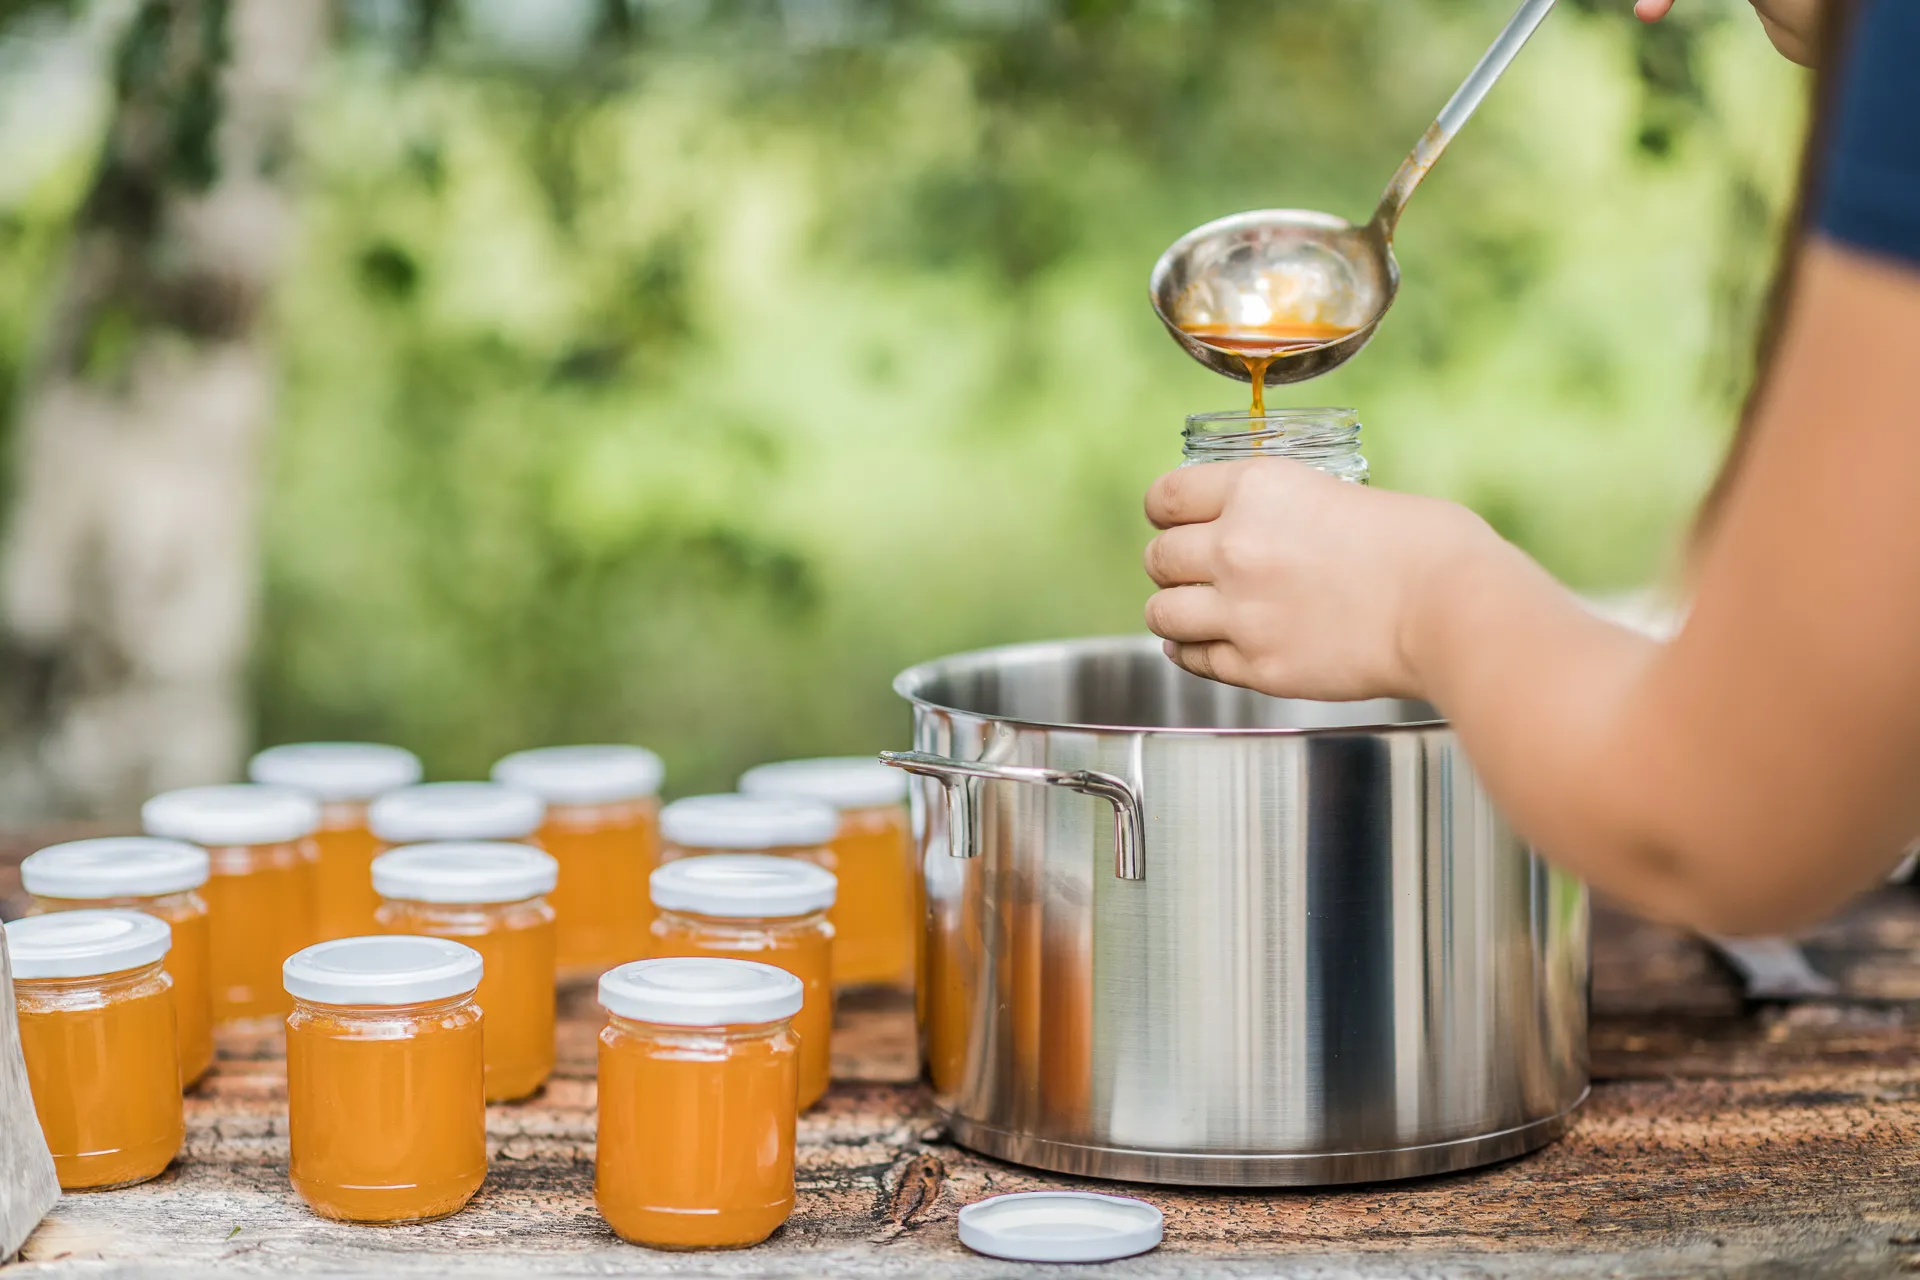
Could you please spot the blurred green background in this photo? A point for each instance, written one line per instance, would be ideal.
(676, 372)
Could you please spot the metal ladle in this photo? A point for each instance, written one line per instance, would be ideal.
(1273, 266)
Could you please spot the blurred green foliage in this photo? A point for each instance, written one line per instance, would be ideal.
(677, 372)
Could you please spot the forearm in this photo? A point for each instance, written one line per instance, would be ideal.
(1543, 694)
(1654, 771)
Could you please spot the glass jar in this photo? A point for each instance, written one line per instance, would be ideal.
(873, 919)
(260, 893)
(603, 827)
(438, 811)
(97, 1030)
(698, 1072)
(733, 823)
(386, 1095)
(492, 898)
(1326, 439)
(344, 777)
(746, 906)
(161, 878)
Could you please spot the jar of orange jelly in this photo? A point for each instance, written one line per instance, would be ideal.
(161, 878)
(747, 906)
(874, 920)
(97, 1030)
(436, 811)
(492, 897)
(260, 893)
(602, 826)
(386, 1096)
(698, 1071)
(734, 823)
(344, 777)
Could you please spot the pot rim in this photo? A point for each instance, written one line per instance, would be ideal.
(922, 673)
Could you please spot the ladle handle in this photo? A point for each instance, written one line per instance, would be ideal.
(1459, 109)
(1129, 831)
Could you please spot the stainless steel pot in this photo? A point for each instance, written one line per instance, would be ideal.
(1181, 932)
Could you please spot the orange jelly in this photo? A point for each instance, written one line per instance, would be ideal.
(345, 777)
(874, 919)
(490, 897)
(102, 1052)
(754, 907)
(260, 895)
(161, 878)
(602, 826)
(698, 1070)
(387, 1114)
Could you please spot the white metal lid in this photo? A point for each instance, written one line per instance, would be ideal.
(692, 991)
(391, 969)
(237, 814)
(464, 871)
(456, 811)
(747, 822)
(845, 782)
(599, 774)
(86, 944)
(114, 867)
(1060, 1226)
(336, 771)
(743, 886)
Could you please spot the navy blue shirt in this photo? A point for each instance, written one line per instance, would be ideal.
(1870, 187)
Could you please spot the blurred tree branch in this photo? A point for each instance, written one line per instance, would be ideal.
(129, 569)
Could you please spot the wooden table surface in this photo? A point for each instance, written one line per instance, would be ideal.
(1720, 1139)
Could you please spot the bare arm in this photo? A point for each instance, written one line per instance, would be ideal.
(1751, 774)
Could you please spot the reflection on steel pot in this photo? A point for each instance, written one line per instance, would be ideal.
(1181, 932)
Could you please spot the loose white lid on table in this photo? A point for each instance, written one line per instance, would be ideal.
(336, 771)
(455, 811)
(591, 774)
(241, 813)
(386, 970)
(1060, 1226)
(114, 867)
(743, 886)
(845, 782)
(735, 821)
(696, 991)
(86, 944)
(476, 871)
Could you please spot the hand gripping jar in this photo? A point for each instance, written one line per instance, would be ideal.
(437, 811)
(1325, 439)
(260, 893)
(698, 1071)
(747, 906)
(873, 920)
(97, 1030)
(386, 1096)
(345, 777)
(603, 827)
(492, 898)
(161, 878)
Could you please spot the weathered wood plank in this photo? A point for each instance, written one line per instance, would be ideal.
(27, 1184)
(1722, 1140)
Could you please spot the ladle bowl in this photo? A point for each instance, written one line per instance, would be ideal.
(1267, 264)
(1274, 267)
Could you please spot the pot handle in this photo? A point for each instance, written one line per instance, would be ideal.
(1129, 830)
